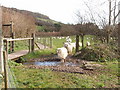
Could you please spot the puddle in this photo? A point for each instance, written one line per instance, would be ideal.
(45, 63)
(49, 63)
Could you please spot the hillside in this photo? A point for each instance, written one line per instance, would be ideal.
(24, 24)
(43, 22)
(40, 22)
(40, 18)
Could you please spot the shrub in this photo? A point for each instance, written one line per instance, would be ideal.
(98, 52)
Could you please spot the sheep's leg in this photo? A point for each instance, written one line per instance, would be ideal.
(63, 60)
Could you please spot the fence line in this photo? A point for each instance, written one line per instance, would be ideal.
(9, 78)
(46, 41)
(17, 39)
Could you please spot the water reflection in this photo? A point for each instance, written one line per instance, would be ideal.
(49, 63)
(46, 63)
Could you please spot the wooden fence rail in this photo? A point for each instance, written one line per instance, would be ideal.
(17, 39)
(9, 42)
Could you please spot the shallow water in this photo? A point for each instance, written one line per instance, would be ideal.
(49, 63)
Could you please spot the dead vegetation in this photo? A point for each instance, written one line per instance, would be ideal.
(24, 24)
(98, 52)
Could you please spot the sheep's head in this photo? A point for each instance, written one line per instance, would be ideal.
(58, 50)
(66, 45)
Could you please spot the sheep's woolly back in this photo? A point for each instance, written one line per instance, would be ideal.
(69, 47)
(73, 45)
(62, 52)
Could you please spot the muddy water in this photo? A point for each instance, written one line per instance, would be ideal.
(49, 63)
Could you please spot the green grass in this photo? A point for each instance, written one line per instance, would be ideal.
(40, 28)
(38, 53)
(21, 45)
(45, 78)
(57, 43)
(47, 20)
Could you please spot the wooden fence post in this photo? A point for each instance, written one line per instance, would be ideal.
(11, 27)
(13, 42)
(1, 42)
(47, 42)
(1, 55)
(51, 43)
(10, 47)
(29, 42)
(44, 42)
(77, 43)
(32, 42)
(40, 39)
(5, 70)
(6, 46)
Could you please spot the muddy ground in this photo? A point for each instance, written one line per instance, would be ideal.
(79, 66)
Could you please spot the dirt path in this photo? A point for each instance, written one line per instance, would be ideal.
(41, 46)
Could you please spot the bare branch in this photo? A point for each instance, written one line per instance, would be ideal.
(92, 17)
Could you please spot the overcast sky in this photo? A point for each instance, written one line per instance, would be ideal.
(59, 10)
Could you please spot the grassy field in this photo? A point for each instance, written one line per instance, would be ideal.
(47, 20)
(57, 43)
(21, 45)
(40, 28)
(45, 78)
(106, 77)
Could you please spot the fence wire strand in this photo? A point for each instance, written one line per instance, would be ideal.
(12, 81)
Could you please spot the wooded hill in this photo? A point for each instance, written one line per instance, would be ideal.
(25, 22)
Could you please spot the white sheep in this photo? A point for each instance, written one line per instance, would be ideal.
(39, 38)
(87, 43)
(68, 39)
(69, 47)
(63, 37)
(62, 53)
(54, 37)
(74, 44)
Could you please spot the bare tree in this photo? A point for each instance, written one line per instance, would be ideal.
(81, 20)
(24, 24)
(67, 30)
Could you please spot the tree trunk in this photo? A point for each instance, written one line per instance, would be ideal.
(114, 12)
(108, 31)
(82, 40)
(77, 43)
(119, 38)
(108, 36)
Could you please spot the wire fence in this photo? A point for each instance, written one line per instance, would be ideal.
(12, 82)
